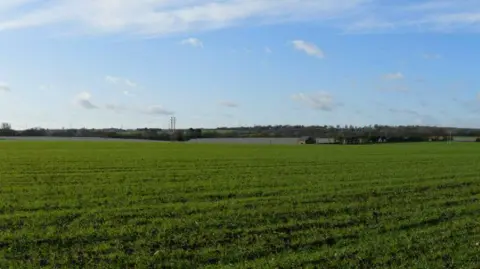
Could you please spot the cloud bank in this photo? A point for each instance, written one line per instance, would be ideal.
(84, 100)
(4, 87)
(309, 48)
(318, 101)
(164, 17)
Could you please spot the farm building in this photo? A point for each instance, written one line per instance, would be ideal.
(465, 139)
(306, 140)
(323, 140)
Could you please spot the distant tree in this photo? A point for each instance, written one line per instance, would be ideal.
(191, 133)
(6, 130)
(198, 133)
(6, 126)
(178, 136)
(34, 132)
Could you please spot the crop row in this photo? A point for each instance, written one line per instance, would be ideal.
(116, 205)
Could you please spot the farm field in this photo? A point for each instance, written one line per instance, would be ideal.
(171, 205)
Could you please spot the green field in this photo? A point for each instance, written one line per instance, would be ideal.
(155, 205)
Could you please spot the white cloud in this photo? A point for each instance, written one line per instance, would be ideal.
(161, 17)
(319, 101)
(394, 76)
(83, 100)
(4, 87)
(129, 83)
(454, 19)
(309, 48)
(228, 104)
(194, 42)
(164, 17)
(158, 110)
(369, 24)
(125, 84)
(418, 16)
(120, 81)
(111, 79)
(430, 5)
(128, 93)
(9, 4)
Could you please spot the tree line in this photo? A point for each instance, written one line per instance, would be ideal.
(390, 132)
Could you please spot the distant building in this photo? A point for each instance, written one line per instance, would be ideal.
(323, 140)
(464, 138)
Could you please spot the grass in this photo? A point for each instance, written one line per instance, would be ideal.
(156, 205)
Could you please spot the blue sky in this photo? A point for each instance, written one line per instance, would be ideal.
(113, 63)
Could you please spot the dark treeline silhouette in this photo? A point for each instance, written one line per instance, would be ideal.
(369, 133)
(333, 131)
(350, 134)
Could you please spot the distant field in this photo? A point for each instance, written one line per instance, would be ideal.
(59, 139)
(163, 205)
